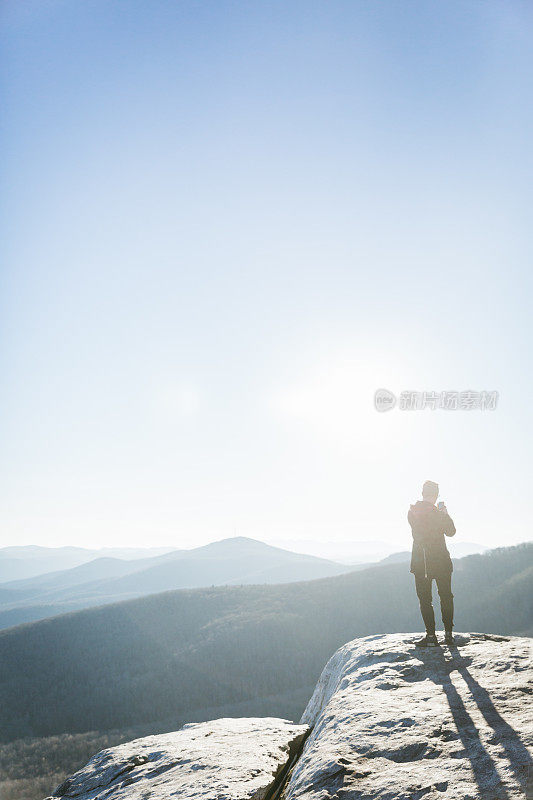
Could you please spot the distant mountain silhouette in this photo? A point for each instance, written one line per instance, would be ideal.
(457, 550)
(238, 560)
(19, 562)
(25, 562)
(94, 570)
(460, 549)
(358, 552)
(397, 558)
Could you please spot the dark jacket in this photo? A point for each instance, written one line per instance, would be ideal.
(430, 556)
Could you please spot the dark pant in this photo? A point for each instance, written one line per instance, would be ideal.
(423, 590)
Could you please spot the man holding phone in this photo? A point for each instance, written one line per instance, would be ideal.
(430, 560)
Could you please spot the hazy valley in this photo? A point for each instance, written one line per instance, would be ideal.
(152, 663)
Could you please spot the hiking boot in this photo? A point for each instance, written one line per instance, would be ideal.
(448, 639)
(429, 640)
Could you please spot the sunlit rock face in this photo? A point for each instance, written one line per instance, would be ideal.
(387, 721)
(225, 759)
(395, 722)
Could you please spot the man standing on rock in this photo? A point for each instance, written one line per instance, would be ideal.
(430, 559)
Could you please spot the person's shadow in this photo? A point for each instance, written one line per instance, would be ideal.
(484, 768)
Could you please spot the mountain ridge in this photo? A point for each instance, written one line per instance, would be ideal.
(237, 560)
(145, 660)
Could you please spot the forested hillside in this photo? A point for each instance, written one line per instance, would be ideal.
(168, 656)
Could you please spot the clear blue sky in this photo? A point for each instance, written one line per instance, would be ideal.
(224, 225)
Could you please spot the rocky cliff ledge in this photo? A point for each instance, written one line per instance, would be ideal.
(225, 759)
(394, 721)
(386, 720)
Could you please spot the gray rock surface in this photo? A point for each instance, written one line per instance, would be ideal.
(395, 722)
(225, 759)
